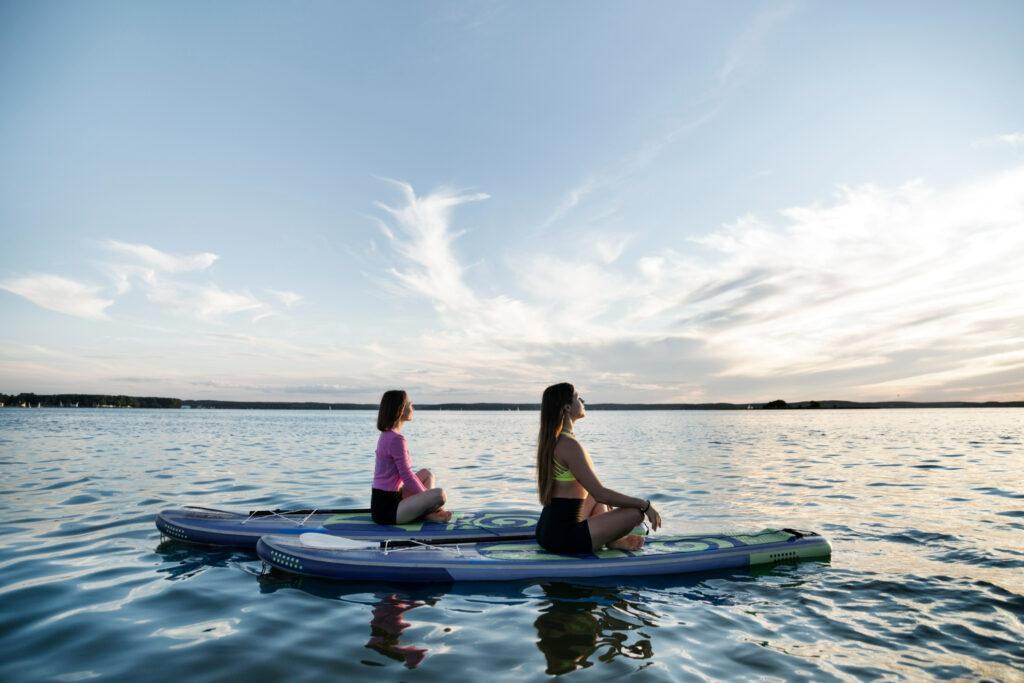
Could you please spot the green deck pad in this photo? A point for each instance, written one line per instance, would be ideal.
(683, 544)
(460, 521)
(492, 520)
(519, 551)
(364, 519)
(689, 544)
(766, 536)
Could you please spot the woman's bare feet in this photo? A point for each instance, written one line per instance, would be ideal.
(438, 516)
(629, 542)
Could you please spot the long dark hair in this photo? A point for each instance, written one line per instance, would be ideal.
(392, 407)
(553, 406)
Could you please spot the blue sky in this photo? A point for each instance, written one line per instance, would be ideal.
(659, 202)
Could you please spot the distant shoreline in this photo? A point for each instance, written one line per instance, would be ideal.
(25, 401)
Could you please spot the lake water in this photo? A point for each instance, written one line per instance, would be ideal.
(924, 509)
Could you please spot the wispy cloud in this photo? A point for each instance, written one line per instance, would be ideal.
(60, 294)
(748, 47)
(1014, 140)
(860, 291)
(161, 260)
(909, 291)
(164, 277)
(423, 237)
(206, 302)
(289, 299)
(609, 249)
(740, 62)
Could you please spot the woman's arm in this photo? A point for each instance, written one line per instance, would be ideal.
(576, 459)
(399, 452)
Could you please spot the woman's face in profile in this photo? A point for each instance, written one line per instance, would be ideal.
(408, 412)
(577, 409)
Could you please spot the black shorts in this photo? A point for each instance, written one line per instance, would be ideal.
(384, 506)
(559, 529)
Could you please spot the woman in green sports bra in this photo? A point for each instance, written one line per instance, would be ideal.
(580, 514)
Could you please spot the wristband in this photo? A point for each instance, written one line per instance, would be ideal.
(646, 507)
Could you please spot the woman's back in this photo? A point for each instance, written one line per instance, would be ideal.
(393, 466)
(565, 484)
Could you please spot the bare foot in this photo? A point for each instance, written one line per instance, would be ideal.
(438, 516)
(630, 542)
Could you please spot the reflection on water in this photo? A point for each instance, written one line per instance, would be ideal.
(577, 622)
(184, 561)
(387, 615)
(924, 509)
(386, 628)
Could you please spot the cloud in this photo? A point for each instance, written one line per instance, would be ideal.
(161, 260)
(749, 45)
(739, 63)
(609, 249)
(60, 294)
(874, 273)
(424, 239)
(576, 194)
(164, 278)
(872, 293)
(1012, 139)
(206, 302)
(289, 299)
(876, 292)
(266, 314)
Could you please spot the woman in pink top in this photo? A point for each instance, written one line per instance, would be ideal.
(400, 495)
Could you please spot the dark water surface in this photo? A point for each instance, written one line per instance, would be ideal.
(924, 509)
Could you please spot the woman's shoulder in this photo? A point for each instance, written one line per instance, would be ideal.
(391, 436)
(567, 443)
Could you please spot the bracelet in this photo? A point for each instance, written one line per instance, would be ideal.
(646, 507)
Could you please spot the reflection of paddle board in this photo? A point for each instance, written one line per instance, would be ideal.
(221, 527)
(341, 558)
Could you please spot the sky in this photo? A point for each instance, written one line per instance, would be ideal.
(658, 201)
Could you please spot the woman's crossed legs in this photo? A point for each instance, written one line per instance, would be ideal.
(611, 526)
(427, 504)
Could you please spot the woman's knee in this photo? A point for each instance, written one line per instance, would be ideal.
(442, 497)
(427, 477)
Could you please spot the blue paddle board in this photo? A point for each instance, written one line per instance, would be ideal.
(224, 528)
(339, 558)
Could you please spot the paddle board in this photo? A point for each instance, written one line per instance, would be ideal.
(221, 527)
(323, 556)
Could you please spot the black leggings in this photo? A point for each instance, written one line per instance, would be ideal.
(559, 529)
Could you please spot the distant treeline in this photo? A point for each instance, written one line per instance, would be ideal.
(87, 401)
(278, 405)
(105, 401)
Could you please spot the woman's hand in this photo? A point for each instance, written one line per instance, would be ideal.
(653, 517)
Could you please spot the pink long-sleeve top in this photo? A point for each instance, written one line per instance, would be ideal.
(394, 467)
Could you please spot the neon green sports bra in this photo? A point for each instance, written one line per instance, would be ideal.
(561, 472)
